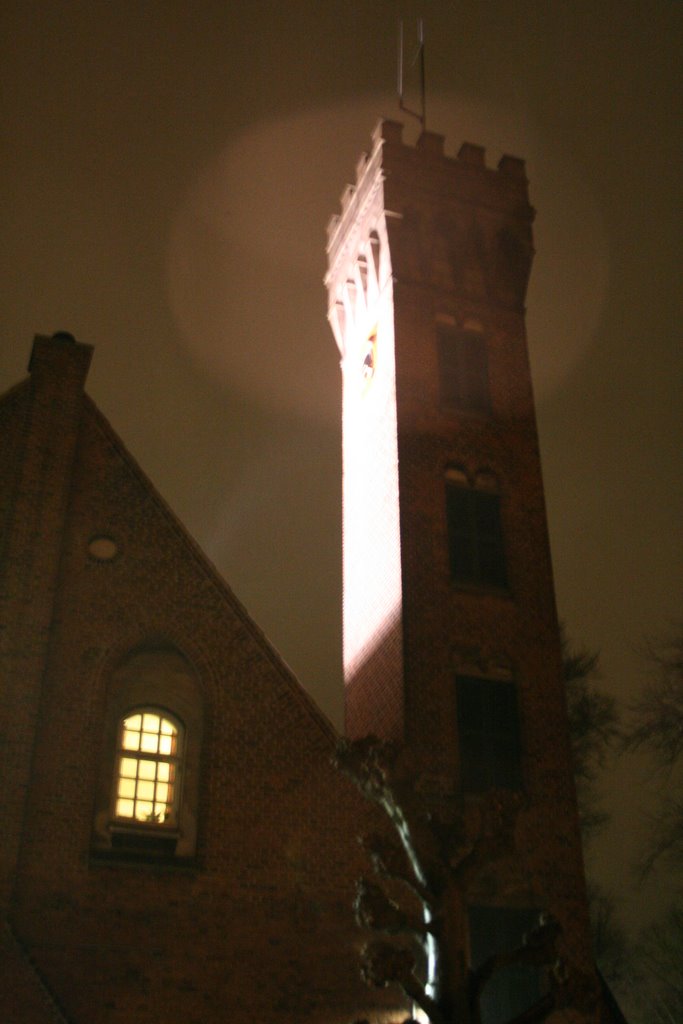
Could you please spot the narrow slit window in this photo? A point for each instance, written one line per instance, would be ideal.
(463, 370)
(475, 534)
(488, 734)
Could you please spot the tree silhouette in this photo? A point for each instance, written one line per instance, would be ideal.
(656, 725)
(435, 863)
(593, 730)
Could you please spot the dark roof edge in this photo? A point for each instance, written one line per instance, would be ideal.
(12, 391)
(304, 699)
(616, 1016)
(18, 950)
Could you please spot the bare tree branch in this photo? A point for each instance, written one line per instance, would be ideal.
(657, 715)
(593, 729)
(389, 861)
(443, 864)
(375, 910)
(656, 726)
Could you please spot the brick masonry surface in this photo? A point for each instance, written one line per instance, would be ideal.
(455, 247)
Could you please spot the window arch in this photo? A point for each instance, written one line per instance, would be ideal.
(475, 534)
(148, 767)
(147, 799)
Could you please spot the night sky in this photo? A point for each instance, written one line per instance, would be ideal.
(168, 172)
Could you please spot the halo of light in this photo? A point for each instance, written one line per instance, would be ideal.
(246, 250)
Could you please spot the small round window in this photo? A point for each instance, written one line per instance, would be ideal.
(103, 548)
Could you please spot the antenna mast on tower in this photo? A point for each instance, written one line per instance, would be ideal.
(419, 55)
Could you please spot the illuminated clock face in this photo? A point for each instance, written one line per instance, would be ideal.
(369, 358)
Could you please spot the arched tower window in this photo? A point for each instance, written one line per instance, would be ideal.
(475, 534)
(148, 767)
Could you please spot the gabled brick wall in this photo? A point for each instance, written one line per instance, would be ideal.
(258, 924)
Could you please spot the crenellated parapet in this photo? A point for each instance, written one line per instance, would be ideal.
(453, 222)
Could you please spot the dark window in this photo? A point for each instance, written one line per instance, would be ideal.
(475, 535)
(488, 734)
(463, 373)
(513, 989)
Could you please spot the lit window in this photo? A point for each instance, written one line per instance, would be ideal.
(475, 534)
(488, 734)
(148, 783)
(147, 768)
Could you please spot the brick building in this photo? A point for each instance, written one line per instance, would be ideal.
(176, 843)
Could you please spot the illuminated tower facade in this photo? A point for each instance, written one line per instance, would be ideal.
(451, 640)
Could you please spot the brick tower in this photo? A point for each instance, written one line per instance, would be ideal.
(451, 641)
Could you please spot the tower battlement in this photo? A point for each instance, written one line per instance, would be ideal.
(433, 144)
(417, 214)
(505, 186)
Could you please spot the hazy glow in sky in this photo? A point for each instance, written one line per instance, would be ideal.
(249, 231)
(165, 195)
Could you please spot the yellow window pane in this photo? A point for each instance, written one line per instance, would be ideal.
(127, 787)
(134, 722)
(150, 723)
(128, 768)
(167, 744)
(147, 769)
(162, 792)
(144, 810)
(145, 790)
(167, 727)
(150, 742)
(163, 771)
(160, 812)
(125, 808)
(131, 740)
